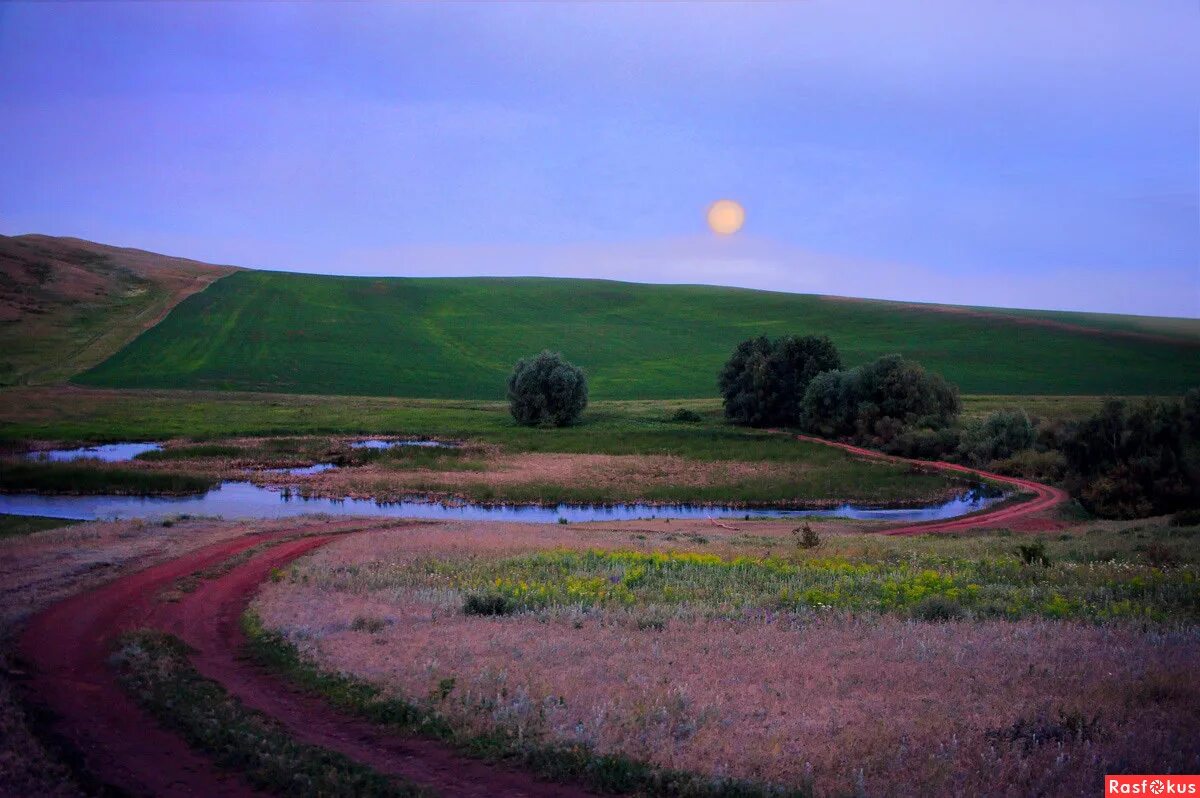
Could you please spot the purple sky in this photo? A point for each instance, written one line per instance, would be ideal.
(1004, 153)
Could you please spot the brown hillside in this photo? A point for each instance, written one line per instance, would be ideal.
(67, 304)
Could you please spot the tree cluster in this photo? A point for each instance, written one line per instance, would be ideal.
(1134, 459)
(891, 403)
(764, 379)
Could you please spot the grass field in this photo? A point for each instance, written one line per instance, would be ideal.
(458, 338)
(608, 427)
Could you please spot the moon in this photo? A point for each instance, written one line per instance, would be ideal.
(726, 217)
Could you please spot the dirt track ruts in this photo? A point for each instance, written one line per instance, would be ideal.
(1045, 497)
(68, 646)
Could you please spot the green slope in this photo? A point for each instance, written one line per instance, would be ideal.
(458, 338)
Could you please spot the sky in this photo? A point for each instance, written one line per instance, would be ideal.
(1018, 153)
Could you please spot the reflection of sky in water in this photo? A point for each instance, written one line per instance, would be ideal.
(109, 452)
(316, 468)
(243, 500)
(382, 444)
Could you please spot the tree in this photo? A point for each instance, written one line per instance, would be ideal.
(880, 402)
(763, 380)
(546, 391)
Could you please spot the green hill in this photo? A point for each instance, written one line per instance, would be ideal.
(67, 304)
(458, 338)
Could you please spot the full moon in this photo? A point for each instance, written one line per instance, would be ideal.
(726, 217)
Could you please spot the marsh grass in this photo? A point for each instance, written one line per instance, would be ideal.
(191, 452)
(82, 478)
(465, 458)
(154, 667)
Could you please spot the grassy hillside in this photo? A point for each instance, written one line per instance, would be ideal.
(458, 338)
(66, 304)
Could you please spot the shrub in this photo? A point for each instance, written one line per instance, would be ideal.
(1049, 466)
(364, 623)
(1001, 435)
(763, 380)
(488, 603)
(546, 391)
(937, 609)
(686, 416)
(806, 537)
(924, 444)
(1033, 553)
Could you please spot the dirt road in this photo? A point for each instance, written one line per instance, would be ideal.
(69, 645)
(1017, 516)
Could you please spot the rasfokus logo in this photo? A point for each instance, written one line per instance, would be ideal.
(1151, 785)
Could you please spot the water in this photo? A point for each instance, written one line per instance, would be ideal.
(382, 444)
(109, 452)
(315, 468)
(244, 500)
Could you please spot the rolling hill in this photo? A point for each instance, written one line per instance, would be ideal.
(458, 338)
(67, 304)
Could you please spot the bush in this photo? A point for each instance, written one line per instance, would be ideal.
(1033, 553)
(764, 379)
(806, 537)
(488, 603)
(999, 436)
(363, 623)
(924, 444)
(937, 609)
(1030, 463)
(546, 391)
(686, 416)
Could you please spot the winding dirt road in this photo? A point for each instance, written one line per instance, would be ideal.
(1019, 515)
(121, 745)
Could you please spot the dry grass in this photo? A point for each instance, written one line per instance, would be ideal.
(882, 705)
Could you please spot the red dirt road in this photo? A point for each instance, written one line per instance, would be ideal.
(1017, 515)
(68, 646)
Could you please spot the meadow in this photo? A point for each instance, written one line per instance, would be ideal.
(94, 415)
(742, 654)
(458, 338)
